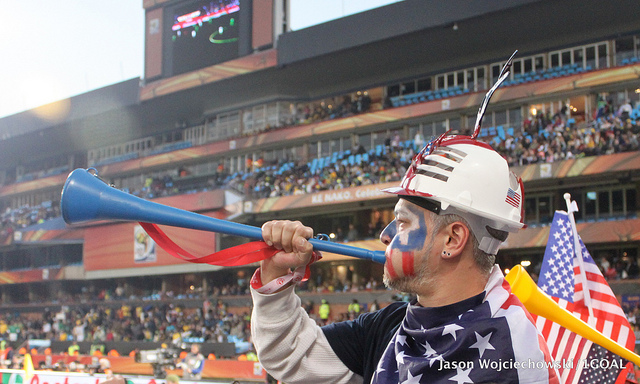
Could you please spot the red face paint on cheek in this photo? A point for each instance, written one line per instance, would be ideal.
(389, 266)
(407, 263)
(403, 264)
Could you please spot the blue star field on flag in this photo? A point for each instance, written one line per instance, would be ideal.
(482, 339)
(556, 274)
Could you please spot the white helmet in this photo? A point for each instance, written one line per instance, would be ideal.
(467, 177)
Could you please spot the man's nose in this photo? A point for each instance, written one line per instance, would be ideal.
(388, 233)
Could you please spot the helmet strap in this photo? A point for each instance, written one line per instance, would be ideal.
(489, 238)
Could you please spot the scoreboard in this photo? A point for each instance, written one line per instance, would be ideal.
(188, 35)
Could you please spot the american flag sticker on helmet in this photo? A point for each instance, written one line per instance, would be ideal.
(513, 198)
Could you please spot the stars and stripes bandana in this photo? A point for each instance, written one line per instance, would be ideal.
(487, 338)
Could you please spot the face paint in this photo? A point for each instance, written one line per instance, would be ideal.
(390, 231)
(409, 235)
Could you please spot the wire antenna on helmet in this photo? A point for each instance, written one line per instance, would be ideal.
(504, 73)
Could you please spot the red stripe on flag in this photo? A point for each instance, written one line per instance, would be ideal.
(571, 377)
(557, 347)
(600, 296)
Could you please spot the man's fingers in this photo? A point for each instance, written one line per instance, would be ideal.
(266, 232)
(292, 238)
(276, 234)
(300, 240)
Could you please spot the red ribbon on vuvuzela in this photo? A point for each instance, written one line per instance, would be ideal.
(238, 255)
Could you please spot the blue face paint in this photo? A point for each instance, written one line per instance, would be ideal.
(407, 243)
(390, 230)
(411, 240)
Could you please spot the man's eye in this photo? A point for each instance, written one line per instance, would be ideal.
(401, 222)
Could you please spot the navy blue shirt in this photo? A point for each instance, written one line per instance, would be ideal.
(360, 343)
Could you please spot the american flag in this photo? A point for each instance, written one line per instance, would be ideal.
(513, 198)
(562, 278)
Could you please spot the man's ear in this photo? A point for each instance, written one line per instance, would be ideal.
(457, 235)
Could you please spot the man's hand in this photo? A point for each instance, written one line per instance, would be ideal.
(291, 237)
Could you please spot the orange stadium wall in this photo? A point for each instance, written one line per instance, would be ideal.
(113, 246)
(218, 369)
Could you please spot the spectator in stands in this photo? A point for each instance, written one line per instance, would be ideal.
(324, 311)
(633, 271)
(352, 234)
(437, 248)
(193, 364)
(418, 142)
(79, 331)
(354, 309)
(625, 110)
(374, 306)
(74, 349)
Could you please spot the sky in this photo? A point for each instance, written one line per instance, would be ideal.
(54, 49)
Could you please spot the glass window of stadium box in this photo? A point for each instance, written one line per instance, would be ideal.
(223, 126)
(437, 128)
(631, 95)
(277, 113)
(314, 149)
(481, 80)
(499, 117)
(441, 82)
(495, 71)
(393, 90)
(603, 56)
(424, 85)
(451, 80)
(379, 137)
(515, 118)
(364, 140)
(590, 57)
(418, 129)
(606, 203)
(195, 135)
(325, 148)
(527, 65)
(297, 153)
(470, 81)
(538, 209)
(627, 47)
(474, 79)
(566, 58)
(578, 57)
(517, 68)
(408, 88)
(455, 124)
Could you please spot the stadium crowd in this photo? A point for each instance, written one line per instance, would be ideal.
(542, 138)
(166, 323)
(158, 320)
